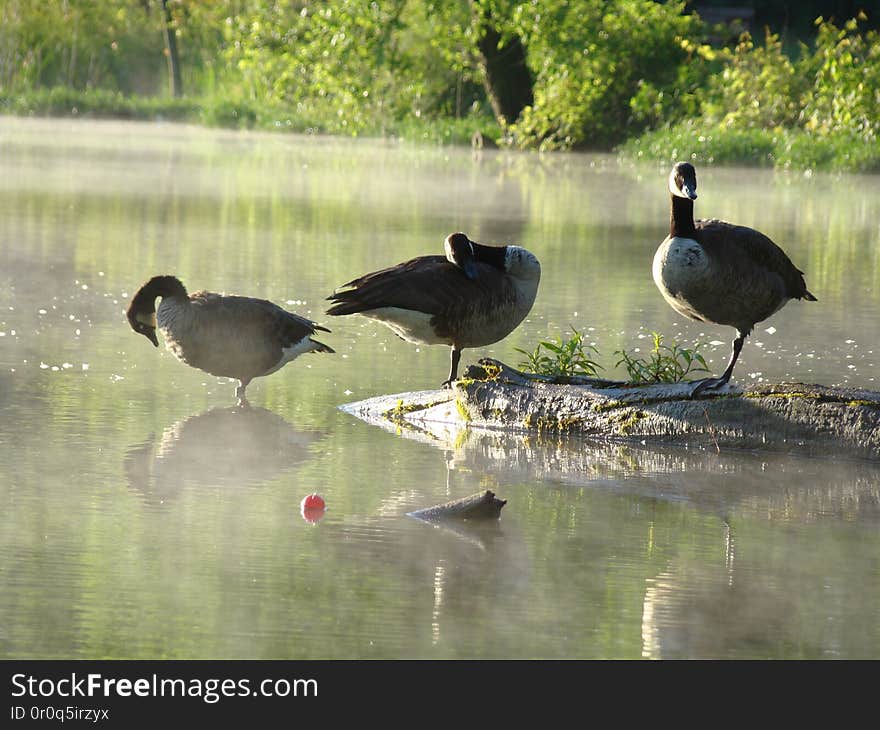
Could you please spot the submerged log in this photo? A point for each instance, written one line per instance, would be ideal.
(792, 417)
(480, 506)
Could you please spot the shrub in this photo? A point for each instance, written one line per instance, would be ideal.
(845, 90)
(759, 88)
(820, 112)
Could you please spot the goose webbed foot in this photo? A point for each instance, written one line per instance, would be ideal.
(447, 384)
(701, 386)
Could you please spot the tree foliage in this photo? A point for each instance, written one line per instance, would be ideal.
(591, 59)
(845, 71)
(830, 90)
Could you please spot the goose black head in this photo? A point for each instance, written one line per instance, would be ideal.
(141, 312)
(683, 180)
(460, 251)
(143, 322)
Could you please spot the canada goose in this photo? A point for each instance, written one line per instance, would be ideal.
(717, 272)
(474, 296)
(230, 336)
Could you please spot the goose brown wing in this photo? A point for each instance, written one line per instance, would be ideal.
(427, 284)
(740, 246)
(258, 329)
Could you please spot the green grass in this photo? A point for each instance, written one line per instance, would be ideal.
(233, 114)
(448, 131)
(785, 148)
(840, 152)
(96, 103)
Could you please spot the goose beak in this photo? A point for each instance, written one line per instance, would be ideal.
(150, 334)
(689, 192)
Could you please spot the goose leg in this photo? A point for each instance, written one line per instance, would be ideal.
(239, 392)
(453, 369)
(711, 383)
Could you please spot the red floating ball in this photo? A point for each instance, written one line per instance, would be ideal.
(313, 501)
(312, 508)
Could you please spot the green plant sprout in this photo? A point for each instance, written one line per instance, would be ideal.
(664, 363)
(566, 357)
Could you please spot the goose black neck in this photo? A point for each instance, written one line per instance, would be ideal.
(158, 286)
(682, 219)
(492, 255)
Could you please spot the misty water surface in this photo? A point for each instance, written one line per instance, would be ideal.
(145, 516)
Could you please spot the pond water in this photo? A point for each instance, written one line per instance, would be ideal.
(146, 516)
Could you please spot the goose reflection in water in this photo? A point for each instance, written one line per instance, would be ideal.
(234, 447)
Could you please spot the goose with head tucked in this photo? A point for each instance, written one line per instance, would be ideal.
(225, 335)
(473, 296)
(717, 272)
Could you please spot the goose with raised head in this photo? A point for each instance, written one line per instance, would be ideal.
(474, 296)
(717, 272)
(226, 335)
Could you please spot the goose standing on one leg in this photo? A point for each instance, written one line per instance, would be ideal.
(229, 336)
(717, 272)
(474, 296)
